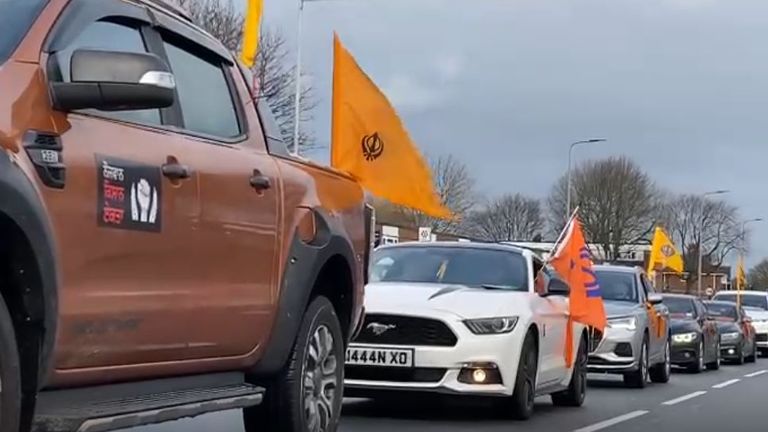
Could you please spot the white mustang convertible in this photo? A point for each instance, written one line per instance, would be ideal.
(466, 318)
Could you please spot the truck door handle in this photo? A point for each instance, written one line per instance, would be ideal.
(259, 181)
(175, 171)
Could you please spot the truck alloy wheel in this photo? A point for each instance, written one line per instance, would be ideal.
(319, 381)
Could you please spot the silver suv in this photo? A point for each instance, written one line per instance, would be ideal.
(636, 342)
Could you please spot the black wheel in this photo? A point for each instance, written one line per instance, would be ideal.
(763, 352)
(639, 378)
(698, 365)
(740, 359)
(661, 372)
(577, 389)
(715, 365)
(307, 394)
(10, 375)
(525, 383)
(753, 356)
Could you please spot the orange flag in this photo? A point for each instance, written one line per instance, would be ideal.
(573, 262)
(369, 141)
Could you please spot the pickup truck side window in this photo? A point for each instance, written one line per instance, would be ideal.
(109, 36)
(204, 94)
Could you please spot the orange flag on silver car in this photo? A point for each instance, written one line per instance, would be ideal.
(572, 260)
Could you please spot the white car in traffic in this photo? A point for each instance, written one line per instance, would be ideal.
(755, 304)
(470, 319)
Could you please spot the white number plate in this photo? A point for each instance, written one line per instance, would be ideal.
(368, 356)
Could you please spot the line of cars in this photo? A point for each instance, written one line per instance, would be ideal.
(489, 321)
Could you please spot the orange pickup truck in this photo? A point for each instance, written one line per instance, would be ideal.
(161, 253)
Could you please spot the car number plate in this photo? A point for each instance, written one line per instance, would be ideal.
(368, 356)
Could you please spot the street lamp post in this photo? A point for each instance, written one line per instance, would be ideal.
(570, 158)
(744, 233)
(701, 235)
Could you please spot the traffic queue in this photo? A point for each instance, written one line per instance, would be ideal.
(502, 323)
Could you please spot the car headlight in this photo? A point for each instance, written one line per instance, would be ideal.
(684, 337)
(626, 323)
(486, 326)
(730, 336)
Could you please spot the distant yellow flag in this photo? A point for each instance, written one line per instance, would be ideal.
(741, 275)
(369, 141)
(664, 253)
(251, 32)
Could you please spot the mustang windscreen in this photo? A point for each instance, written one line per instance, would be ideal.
(473, 267)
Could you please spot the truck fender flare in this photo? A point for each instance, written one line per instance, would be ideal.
(22, 205)
(305, 261)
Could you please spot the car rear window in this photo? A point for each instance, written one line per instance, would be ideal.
(16, 16)
(758, 301)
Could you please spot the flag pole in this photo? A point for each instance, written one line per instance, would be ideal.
(297, 96)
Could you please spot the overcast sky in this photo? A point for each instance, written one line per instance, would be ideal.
(680, 86)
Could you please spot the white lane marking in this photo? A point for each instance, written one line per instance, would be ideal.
(726, 384)
(610, 422)
(684, 398)
(754, 374)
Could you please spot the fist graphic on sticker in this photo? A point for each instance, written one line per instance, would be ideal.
(143, 202)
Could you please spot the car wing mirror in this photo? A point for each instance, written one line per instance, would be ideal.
(115, 81)
(655, 299)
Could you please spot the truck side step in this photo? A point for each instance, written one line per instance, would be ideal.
(121, 406)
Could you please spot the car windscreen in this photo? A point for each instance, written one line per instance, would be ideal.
(722, 311)
(15, 18)
(618, 286)
(474, 267)
(758, 301)
(680, 307)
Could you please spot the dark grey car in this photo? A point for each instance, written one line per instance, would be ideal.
(636, 342)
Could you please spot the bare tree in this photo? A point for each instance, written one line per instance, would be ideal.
(693, 220)
(758, 276)
(274, 71)
(455, 186)
(618, 203)
(507, 218)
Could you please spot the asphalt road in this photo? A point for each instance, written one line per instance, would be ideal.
(732, 399)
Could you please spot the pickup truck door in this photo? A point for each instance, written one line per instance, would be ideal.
(125, 232)
(240, 191)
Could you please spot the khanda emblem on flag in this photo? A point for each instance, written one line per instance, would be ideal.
(373, 147)
(667, 250)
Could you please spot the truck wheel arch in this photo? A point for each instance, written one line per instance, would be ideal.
(34, 301)
(309, 270)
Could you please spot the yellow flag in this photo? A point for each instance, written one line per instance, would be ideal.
(369, 141)
(741, 275)
(664, 253)
(251, 32)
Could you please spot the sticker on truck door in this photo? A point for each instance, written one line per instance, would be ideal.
(129, 195)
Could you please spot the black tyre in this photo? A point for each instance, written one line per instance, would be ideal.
(715, 365)
(307, 394)
(577, 390)
(10, 374)
(763, 352)
(741, 358)
(525, 384)
(751, 358)
(698, 365)
(661, 372)
(639, 378)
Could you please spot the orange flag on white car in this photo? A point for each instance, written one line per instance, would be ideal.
(573, 262)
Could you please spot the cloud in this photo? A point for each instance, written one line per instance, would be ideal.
(406, 93)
